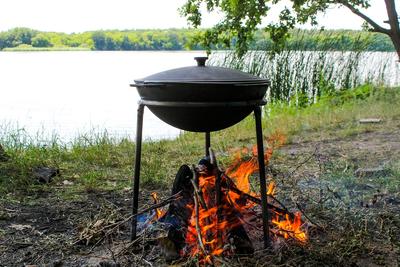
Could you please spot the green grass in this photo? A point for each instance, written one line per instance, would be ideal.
(100, 162)
(336, 115)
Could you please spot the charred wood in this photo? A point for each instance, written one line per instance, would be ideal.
(178, 213)
(197, 191)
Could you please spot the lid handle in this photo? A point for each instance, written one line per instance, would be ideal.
(201, 61)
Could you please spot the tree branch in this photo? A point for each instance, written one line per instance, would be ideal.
(377, 28)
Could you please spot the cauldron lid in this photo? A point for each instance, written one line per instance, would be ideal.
(202, 74)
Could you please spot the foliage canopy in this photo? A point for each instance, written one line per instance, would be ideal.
(241, 19)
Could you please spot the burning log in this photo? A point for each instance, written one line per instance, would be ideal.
(237, 235)
(215, 171)
(198, 230)
(198, 192)
(210, 217)
(215, 221)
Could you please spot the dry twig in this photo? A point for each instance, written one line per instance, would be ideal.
(198, 229)
(108, 229)
(251, 198)
(199, 194)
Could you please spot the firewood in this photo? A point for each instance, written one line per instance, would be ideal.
(199, 195)
(161, 204)
(178, 213)
(197, 191)
(218, 197)
(232, 187)
(236, 236)
(198, 229)
(229, 184)
(108, 229)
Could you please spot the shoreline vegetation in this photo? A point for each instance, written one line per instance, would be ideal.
(25, 39)
(97, 156)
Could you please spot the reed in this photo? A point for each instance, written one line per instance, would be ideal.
(300, 76)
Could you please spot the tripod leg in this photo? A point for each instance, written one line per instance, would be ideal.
(263, 183)
(136, 177)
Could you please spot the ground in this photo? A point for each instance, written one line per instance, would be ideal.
(354, 214)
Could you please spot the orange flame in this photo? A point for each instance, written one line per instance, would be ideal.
(271, 188)
(208, 224)
(242, 174)
(290, 228)
(213, 233)
(159, 212)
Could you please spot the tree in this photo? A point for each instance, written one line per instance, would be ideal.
(16, 37)
(242, 17)
(126, 44)
(22, 35)
(110, 44)
(41, 40)
(99, 40)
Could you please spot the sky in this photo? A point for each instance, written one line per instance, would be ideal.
(86, 15)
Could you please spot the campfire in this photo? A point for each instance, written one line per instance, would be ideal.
(215, 213)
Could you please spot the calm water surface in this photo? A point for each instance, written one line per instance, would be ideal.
(70, 93)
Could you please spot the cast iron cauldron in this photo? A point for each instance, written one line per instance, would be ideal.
(201, 98)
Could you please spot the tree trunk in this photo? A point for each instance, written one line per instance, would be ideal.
(394, 25)
(396, 42)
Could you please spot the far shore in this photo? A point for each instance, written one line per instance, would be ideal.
(41, 49)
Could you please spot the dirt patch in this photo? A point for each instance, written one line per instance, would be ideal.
(44, 231)
(372, 148)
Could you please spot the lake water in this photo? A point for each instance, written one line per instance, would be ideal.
(72, 93)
